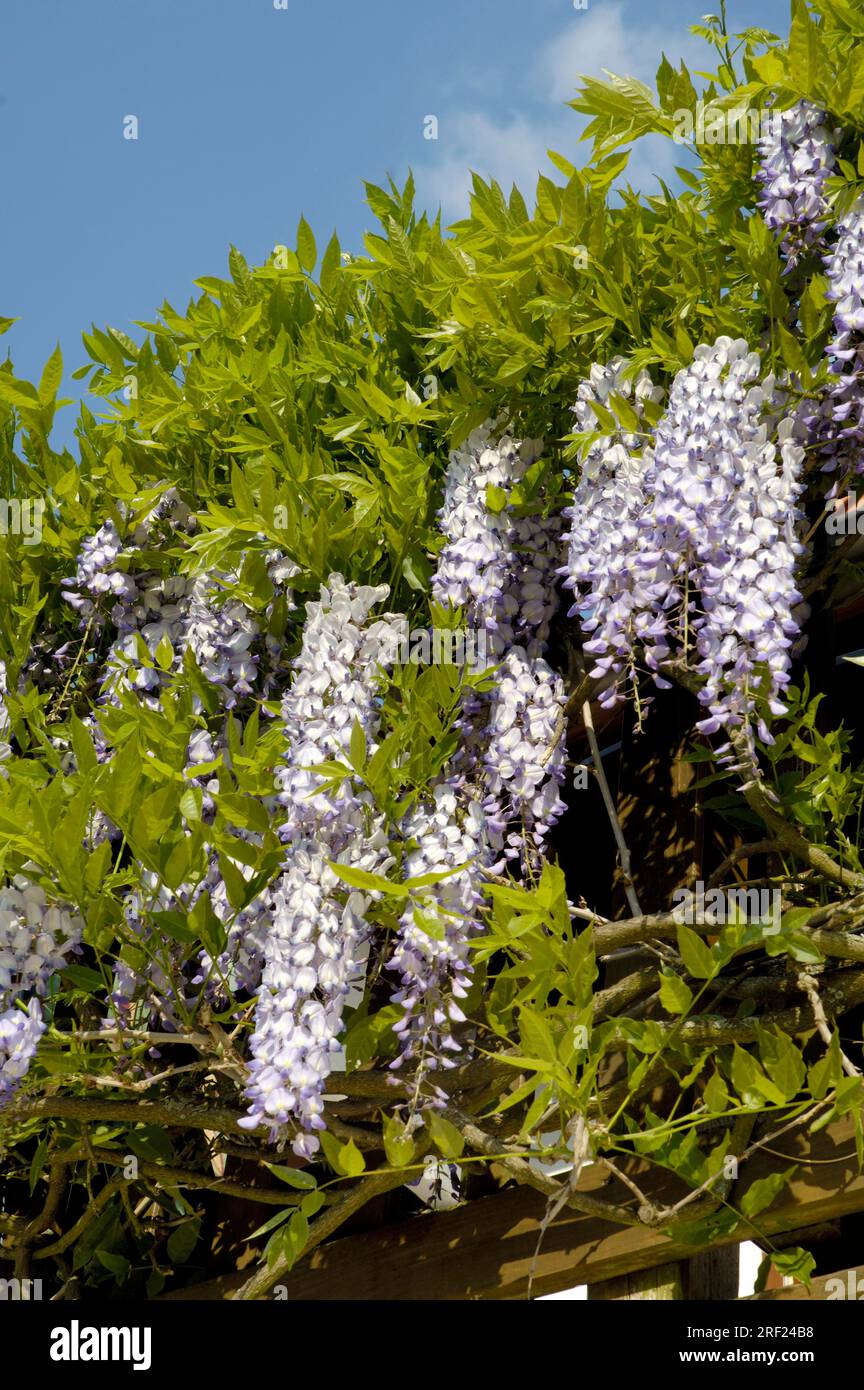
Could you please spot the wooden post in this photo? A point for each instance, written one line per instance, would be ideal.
(713, 1276)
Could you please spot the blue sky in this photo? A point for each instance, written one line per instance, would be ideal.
(249, 115)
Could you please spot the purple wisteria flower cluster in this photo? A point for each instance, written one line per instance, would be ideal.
(609, 503)
(794, 170)
(97, 581)
(35, 940)
(156, 616)
(845, 271)
(20, 1032)
(432, 955)
(525, 759)
(497, 565)
(711, 545)
(5, 723)
(239, 964)
(500, 564)
(314, 946)
(796, 161)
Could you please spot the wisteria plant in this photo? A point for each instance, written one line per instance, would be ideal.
(286, 919)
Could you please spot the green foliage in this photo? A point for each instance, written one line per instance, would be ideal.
(308, 405)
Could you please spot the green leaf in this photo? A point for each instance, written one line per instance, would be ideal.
(496, 498)
(38, 1162)
(803, 49)
(675, 996)
(236, 885)
(764, 1191)
(352, 1160)
(850, 1095)
(716, 1094)
(52, 375)
(626, 414)
(357, 747)
(83, 977)
(346, 1159)
(275, 1221)
(182, 1241)
(750, 1081)
(246, 320)
(294, 1177)
(152, 1143)
(374, 883)
(371, 1036)
(164, 654)
(290, 1241)
(307, 251)
(445, 1136)
(827, 1071)
(793, 356)
(118, 1265)
(191, 803)
(209, 929)
(536, 1034)
(311, 1205)
(82, 745)
(794, 1263)
(398, 1144)
(782, 1061)
(697, 957)
(331, 264)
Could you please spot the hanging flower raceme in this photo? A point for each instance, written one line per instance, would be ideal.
(20, 1032)
(313, 954)
(474, 567)
(845, 270)
(796, 161)
(221, 636)
(35, 940)
(432, 953)
(502, 568)
(5, 723)
(335, 686)
(181, 612)
(318, 930)
(158, 618)
(710, 530)
(498, 566)
(97, 583)
(525, 761)
(614, 581)
(724, 516)
(239, 964)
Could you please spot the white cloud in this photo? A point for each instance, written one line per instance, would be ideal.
(608, 38)
(511, 147)
(511, 151)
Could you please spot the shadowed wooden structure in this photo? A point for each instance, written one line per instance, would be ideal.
(486, 1248)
